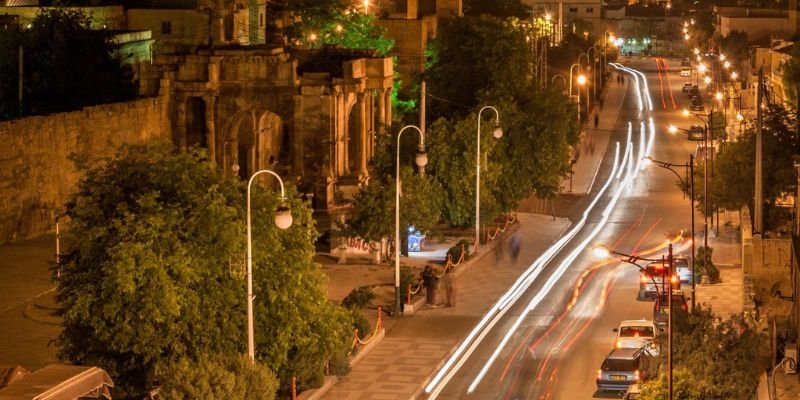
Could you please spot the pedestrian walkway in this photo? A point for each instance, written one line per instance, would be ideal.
(725, 298)
(415, 346)
(588, 154)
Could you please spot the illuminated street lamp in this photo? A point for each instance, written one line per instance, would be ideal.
(497, 132)
(421, 160)
(722, 57)
(726, 64)
(604, 252)
(696, 51)
(690, 169)
(707, 80)
(686, 36)
(581, 79)
(672, 129)
(734, 75)
(718, 96)
(283, 220)
(701, 67)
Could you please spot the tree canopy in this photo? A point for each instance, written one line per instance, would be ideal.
(66, 66)
(733, 181)
(791, 77)
(154, 275)
(713, 359)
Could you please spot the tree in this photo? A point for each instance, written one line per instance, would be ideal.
(66, 66)
(714, 359)
(353, 30)
(735, 47)
(159, 237)
(791, 77)
(216, 377)
(497, 8)
(475, 55)
(731, 186)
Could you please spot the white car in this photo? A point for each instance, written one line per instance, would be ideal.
(636, 334)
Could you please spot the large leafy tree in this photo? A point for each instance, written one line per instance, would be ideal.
(714, 359)
(216, 377)
(350, 30)
(152, 275)
(735, 47)
(733, 179)
(498, 8)
(66, 66)
(791, 77)
(475, 55)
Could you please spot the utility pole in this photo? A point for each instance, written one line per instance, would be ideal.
(759, 195)
(669, 323)
(19, 80)
(691, 201)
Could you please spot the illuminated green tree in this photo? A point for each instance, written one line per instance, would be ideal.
(154, 273)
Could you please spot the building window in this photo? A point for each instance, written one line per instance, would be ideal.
(573, 9)
(589, 10)
(166, 27)
(261, 20)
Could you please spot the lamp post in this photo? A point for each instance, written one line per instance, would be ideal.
(581, 82)
(705, 171)
(497, 133)
(563, 79)
(421, 160)
(690, 167)
(571, 75)
(283, 220)
(604, 252)
(594, 76)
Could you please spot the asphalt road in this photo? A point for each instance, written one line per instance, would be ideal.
(550, 342)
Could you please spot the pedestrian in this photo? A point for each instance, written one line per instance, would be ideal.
(499, 253)
(514, 247)
(596, 120)
(449, 289)
(429, 281)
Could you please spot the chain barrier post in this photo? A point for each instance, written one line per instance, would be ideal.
(294, 388)
(378, 325)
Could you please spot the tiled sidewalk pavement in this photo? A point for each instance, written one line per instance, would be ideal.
(415, 345)
(727, 297)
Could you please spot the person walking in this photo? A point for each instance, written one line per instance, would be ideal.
(513, 245)
(449, 289)
(596, 119)
(429, 281)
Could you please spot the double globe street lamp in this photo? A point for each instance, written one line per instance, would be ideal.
(603, 252)
(283, 220)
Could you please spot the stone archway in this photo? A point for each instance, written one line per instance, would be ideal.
(253, 140)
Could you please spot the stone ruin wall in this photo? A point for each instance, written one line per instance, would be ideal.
(37, 175)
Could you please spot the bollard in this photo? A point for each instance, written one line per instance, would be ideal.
(294, 388)
(407, 302)
(379, 323)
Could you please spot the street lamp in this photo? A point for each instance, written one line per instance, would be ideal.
(563, 79)
(690, 166)
(571, 74)
(283, 220)
(497, 132)
(706, 152)
(421, 160)
(594, 76)
(604, 252)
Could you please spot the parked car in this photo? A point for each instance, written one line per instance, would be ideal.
(621, 369)
(694, 91)
(636, 334)
(686, 71)
(686, 62)
(696, 132)
(697, 106)
(687, 86)
(661, 308)
(651, 280)
(681, 264)
(632, 393)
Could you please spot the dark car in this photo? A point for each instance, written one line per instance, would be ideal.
(687, 86)
(621, 369)
(696, 132)
(694, 91)
(697, 106)
(661, 307)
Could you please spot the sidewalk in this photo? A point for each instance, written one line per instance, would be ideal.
(589, 152)
(727, 297)
(400, 364)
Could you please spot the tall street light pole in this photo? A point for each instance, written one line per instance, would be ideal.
(283, 219)
(497, 133)
(690, 167)
(594, 76)
(421, 160)
(605, 252)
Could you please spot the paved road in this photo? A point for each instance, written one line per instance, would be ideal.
(550, 343)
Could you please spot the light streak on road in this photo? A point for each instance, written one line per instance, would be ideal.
(499, 309)
(627, 150)
(669, 84)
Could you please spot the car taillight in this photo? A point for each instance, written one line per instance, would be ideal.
(674, 279)
(599, 373)
(636, 375)
(683, 307)
(644, 279)
(619, 344)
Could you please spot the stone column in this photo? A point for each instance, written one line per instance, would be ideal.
(381, 99)
(387, 104)
(361, 151)
(180, 123)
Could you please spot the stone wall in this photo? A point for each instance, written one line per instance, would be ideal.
(37, 175)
